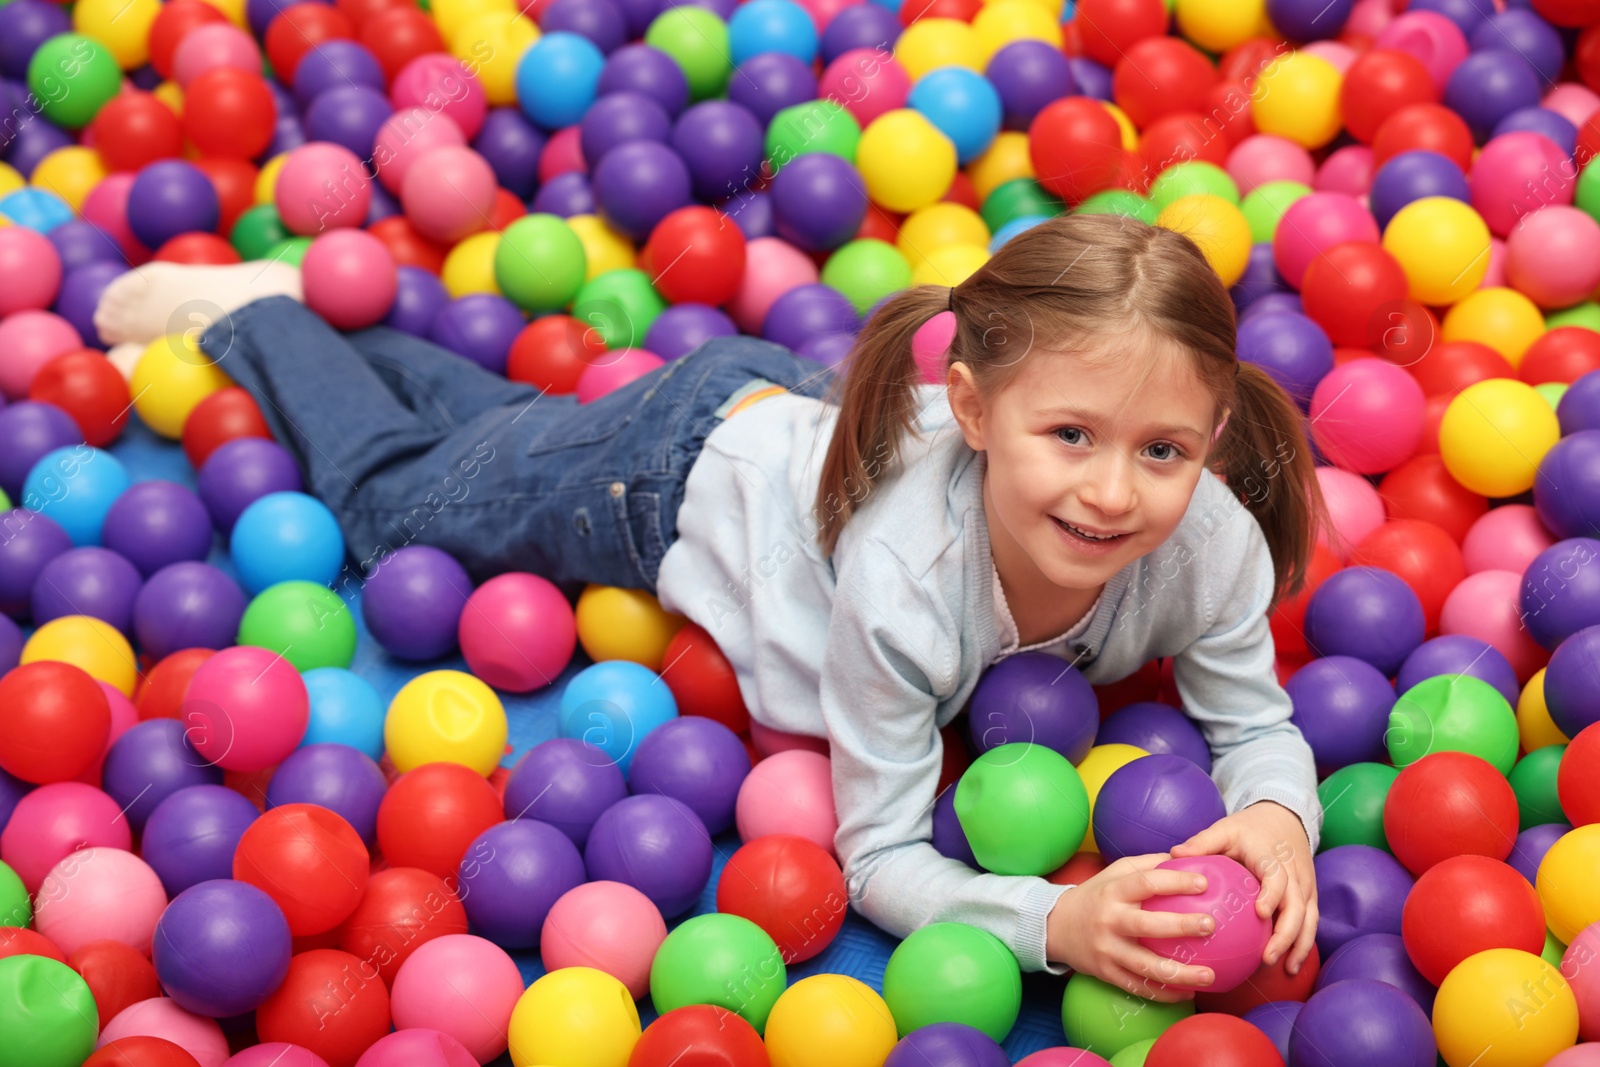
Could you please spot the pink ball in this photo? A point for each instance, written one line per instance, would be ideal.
(1518, 173)
(1312, 225)
(1354, 507)
(1584, 1055)
(1263, 158)
(107, 207)
(614, 370)
(350, 278)
(517, 632)
(124, 716)
(1580, 966)
(407, 136)
(276, 1054)
(459, 985)
(213, 46)
(1495, 276)
(161, 1017)
(56, 820)
(1432, 38)
(1339, 56)
(1487, 605)
(1553, 256)
(822, 12)
(1367, 415)
(1573, 102)
(1506, 538)
(771, 268)
(1347, 170)
(866, 82)
(608, 926)
(30, 270)
(246, 709)
(418, 1048)
(439, 83)
(322, 187)
(789, 793)
(768, 741)
(1233, 950)
(563, 154)
(100, 894)
(450, 195)
(1368, 18)
(29, 340)
(1062, 1056)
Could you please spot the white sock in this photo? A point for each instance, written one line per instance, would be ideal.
(162, 298)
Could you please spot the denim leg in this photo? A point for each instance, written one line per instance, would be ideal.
(442, 388)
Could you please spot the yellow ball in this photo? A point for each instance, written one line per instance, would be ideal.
(171, 377)
(1218, 25)
(574, 1017)
(1567, 885)
(1494, 434)
(469, 266)
(1503, 319)
(267, 178)
(445, 717)
(830, 1020)
(10, 180)
(1534, 725)
(1217, 227)
(171, 94)
(950, 266)
(1297, 97)
(93, 646)
(625, 624)
(904, 160)
(1007, 159)
(929, 229)
(929, 44)
(123, 26)
(71, 173)
(233, 9)
(491, 44)
(1130, 132)
(1003, 22)
(1443, 247)
(1504, 1008)
(451, 15)
(605, 248)
(1101, 762)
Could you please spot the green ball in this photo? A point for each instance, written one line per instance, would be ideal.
(619, 305)
(1133, 1055)
(814, 126)
(1533, 779)
(1015, 199)
(1105, 1020)
(16, 908)
(258, 232)
(1264, 206)
(1586, 314)
(723, 960)
(953, 973)
(1118, 202)
(47, 1014)
(1587, 194)
(539, 263)
(1352, 801)
(1553, 950)
(290, 250)
(1192, 179)
(1024, 809)
(866, 271)
(5, 501)
(305, 623)
(697, 40)
(73, 76)
(1453, 713)
(1552, 392)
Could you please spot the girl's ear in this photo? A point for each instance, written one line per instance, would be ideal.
(966, 403)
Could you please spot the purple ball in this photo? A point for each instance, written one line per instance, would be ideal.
(338, 777)
(1526, 34)
(87, 581)
(260, 13)
(639, 14)
(1578, 409)
(12, 789)
(724, 144)
(946, 1044)
(828, 349)
(808, 311)
(1289, 347)
(413, 602)
(819, 200)
(222, 948)
(1488, 86)
(767, 83)
(81, 288)
(348, 115)
(1309, 20)
(1567, 491)
(24, 26)
(479, 327)
(860, 26)
(1542, 121)
(511, 877)
(336, 64)
(949, 838)
(565, 783)
(1368, 613)
(565, 195)
(1360, 890)
(1152, 804)
(158, 523)
(1561, 592)
(34, 139)
(723, 9)
(1362, 1021)
(1272, 304)
(187, 605)
(639, 68)
(241, 472)
(287, 134)
(149, 763)
(1028, 75)
(656, 844)
(1569, 682)
(598, 20)
(1341, 705)
(752, 212)
(10, 649)
(639, 184)
(1382, 958)
(383, 205)
(1090, 78)
(1034, 698)
(28, 430)
(28, 542)
(511, 145)
(191, 836)
(1260, 278)
(80, 243)
(417, 301)
(1527, 852)
(682, 328)
(1156, 727)
(1276, 1020)
(620, 119)
(697, 761)
(170, 197)
(1464, 13)
(1459, 654)
(1411, 176)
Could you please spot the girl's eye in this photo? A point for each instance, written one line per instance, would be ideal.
(1167, 451)
(1075, 438)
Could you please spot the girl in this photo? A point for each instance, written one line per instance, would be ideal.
(861, 564)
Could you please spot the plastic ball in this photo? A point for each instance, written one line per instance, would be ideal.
(297, 1012)
(1393, 1027)
(55, 820)
(471, 732)
(413, 602)
(1561, 492)
(830, 1019)
(1011, 778)
(565, 783)
(305, 623)
(99, 894)
(49, 1012)
(1225, 1040)
(516, 631)
(512, 874)
(1099, 1016)
(76, 487)
(789, 792)
(191, 836)
(170, 380)
(87, 643)
(699, 958)
(655, 844)
(187, 605)
(1486, 605)
(789, 887)
(557, 78)
(403, 909)
(1511, 414)
(1439, 243)
(607, 926)
(412, 1046)
(309, 860)
(1478, 1015)
(430, 816)
(574, 1015)
(1502, 172)
(1342, 706)
(335, 777)
(462, 986)
(906, 162)
(697, 761)
(221, 948)
(1152, 804)
(246, 708)
(1501, 318)
(613, 706)
(118, 976)
(349, 278)
(58, 722)
(155, 524)
(149, 763)
(1425, 823)
(31, 269)
(1233, 950)
(286, 536)
(73, 76)
(1465, 905)
(1453, 713)
(322, 186)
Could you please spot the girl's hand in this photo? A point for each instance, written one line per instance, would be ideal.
(1270, 842)
(1094, 928)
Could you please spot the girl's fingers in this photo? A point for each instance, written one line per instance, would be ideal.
(1140, 986)
(1141, 923)
(1143, 885)
(1289, 928)
(1307, 939)
(1216, 839)
(1274, 884)
(1163, 971)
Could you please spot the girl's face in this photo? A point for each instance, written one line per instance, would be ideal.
(1091, 462)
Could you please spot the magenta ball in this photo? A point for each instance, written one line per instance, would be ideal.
(517, 632)
(408, 135)
(1062, 1056)
(350, 278)
(303, 198)
(1233, 950)
(409, 1048)
(462, 986)
(1312, 225)
(55, 820)
(278, 1054)
(608, 926)
(30, 270)
(246, 708)
(1367, 415)
(1517, 173)
(617, 369)
(450, 196)
(1506, 538)
(28, 340)
(1553, 256)
(866, 82)
(431, 79)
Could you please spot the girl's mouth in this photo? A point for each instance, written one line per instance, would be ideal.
(1084, 537)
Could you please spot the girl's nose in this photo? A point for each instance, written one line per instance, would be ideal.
(1109, 485)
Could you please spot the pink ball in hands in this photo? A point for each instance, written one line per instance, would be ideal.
(30, 270)
(28, 340)
(1367, 415)
(322, 186)
(350, 278)
(416, 1048)
(246, 709)
(276, 1054)
(407, 136)
(100, 894)
(450, 195)
(614, 370)
(608, 926)
(440, 83)
(789, 793)
(56, 820)
(1239, 936)
(1553, 256)
(462, 986)
(517, 632)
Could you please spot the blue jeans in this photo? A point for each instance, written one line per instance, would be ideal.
(409, 443)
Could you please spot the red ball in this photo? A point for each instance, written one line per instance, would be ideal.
(961, 192)
(563, 153)
(1586, 57)
(1378, 84)
(1227, 109)
(1271, 982)
(162, 689)
(1079, 869)
(20, 941)
(961, 10)
(1468, 904)
(1449, 804)
(309, 860)
(880, 225)
(408, 247)
(507, 209)
(141, 1052)
(1186, 136)
(696, 255)
(1246, 61)
(206, 249)
(1421, 488)
(703, 681)
(1565, 354)
(1569, 13)
(791, 888)
(226, 415)
(57, 721)
(1288, 622)
(359, 11)
(404, 908)
(430, 816)
(1423, 126)
(1108, 28)
(701, 1035)
(1578, 778)
(297, 30)
(552, 353)
(134, 129)
(171, 25)
(85, 385)
(1450, 367)
(1076, 148)
(1422, 554)
(1347, 289)
(117, 975)
(399, 35)
(1404, 333)
(1160, 76)
(235, 183)
(230, 112)
(330, 1003)
(1432, 421)
(1213, 1040)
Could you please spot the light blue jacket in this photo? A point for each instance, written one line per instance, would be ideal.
(878, 648)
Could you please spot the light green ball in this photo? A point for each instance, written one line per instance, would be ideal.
(305, 623)
(1264, 207)
(1105, 1020)
(1533, 779)
(1024, 809)
(1453, 713)
(257, 232)
(1586, 315)
(1133, 1055)
(620, 306)
(72, 77)
(1124, 202)
(1352, 801)
(866, 271)
(697, 40)
(723, 960)
(1587, 195)
(1192, 179)
(290, 250)
(539, 263)
(814, 126)
(47, 1014)
(1552, 392)
(1015, 199)
(1553, 950)
(953, 973)
(16, 908)
(5, 501)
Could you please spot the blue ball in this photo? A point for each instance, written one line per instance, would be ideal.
(772, 26)
(963, 104)
(612, 706)
(557, 78)
(345, 710)
(76, 487)
(285, 537)
(1012, 228)
(37, 209)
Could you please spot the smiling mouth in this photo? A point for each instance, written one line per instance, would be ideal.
(1088, 535)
